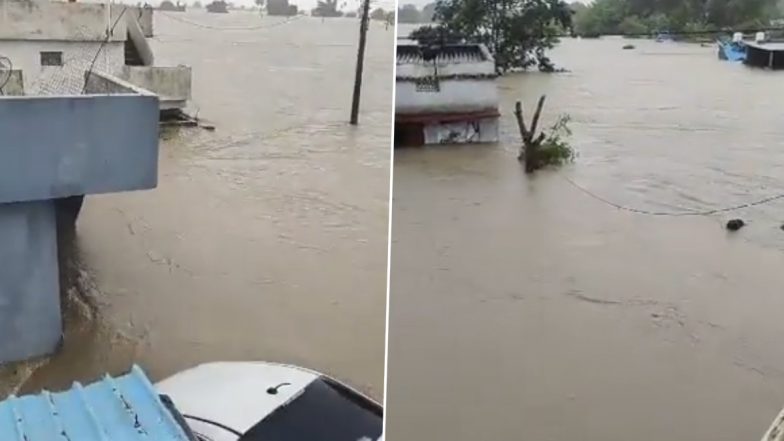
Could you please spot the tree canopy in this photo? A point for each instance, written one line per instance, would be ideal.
(279, 7)
(517, 32)
(651, 16)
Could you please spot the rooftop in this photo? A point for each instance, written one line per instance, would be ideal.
(771, 46)
(446, 54)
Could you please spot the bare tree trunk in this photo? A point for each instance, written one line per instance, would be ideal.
(531, 142)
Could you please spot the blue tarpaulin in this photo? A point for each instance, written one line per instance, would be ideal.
(125, 408)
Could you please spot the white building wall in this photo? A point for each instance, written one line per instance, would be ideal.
(454, 96)
(77, 57)
(484, 130)
(53, 20)
(425, 69)
(78, 30)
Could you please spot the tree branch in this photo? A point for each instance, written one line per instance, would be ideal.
(535, 121)
(520, 120)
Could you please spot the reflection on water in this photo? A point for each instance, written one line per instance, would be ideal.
(520, 308)
(266, 239)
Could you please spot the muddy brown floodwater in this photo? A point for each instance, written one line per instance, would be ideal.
(523, 309)
(266, 239)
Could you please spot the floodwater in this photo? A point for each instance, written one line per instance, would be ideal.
(265, 239)
(522, 308)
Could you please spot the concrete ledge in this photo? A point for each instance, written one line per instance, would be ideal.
(143, 15)
(171, 84)
(56, 147)
(99, 83)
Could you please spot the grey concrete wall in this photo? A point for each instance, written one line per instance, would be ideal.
(144, 17)
(99, 83)
(136, 36)
(64, 146)
(15, 84)
(30, 323)
(50, 20)
(171, 84)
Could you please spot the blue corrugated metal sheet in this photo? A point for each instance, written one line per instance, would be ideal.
(125, 408)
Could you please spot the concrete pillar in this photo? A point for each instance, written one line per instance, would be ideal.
(30, 322)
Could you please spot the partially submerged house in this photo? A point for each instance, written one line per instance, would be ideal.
(53, 43)
(445, 94)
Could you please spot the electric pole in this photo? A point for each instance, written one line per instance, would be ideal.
(363, 27)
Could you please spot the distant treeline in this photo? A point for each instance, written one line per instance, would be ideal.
(641, 17)
(410, 14)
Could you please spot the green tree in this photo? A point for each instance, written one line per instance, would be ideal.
(634, 26)
(280, 7)
(614, 16)
(517, 32)
(435, 35)
(408, 14)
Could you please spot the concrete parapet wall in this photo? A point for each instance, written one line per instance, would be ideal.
(65, 146)
(52, 20)
(171, 84)
(144, 17)
(137, 37)
(98, 83)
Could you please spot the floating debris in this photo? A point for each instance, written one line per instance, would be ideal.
(735, 224)
(178, 118)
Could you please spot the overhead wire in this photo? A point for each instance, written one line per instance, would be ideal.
(109, 34)
(238, 28)
(606, 201)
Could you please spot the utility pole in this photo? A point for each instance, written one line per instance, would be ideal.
(360, 61)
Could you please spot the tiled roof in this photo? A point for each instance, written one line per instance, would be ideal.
(124, 408)
(447, 54)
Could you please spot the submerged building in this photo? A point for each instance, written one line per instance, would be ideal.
(445, 94)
